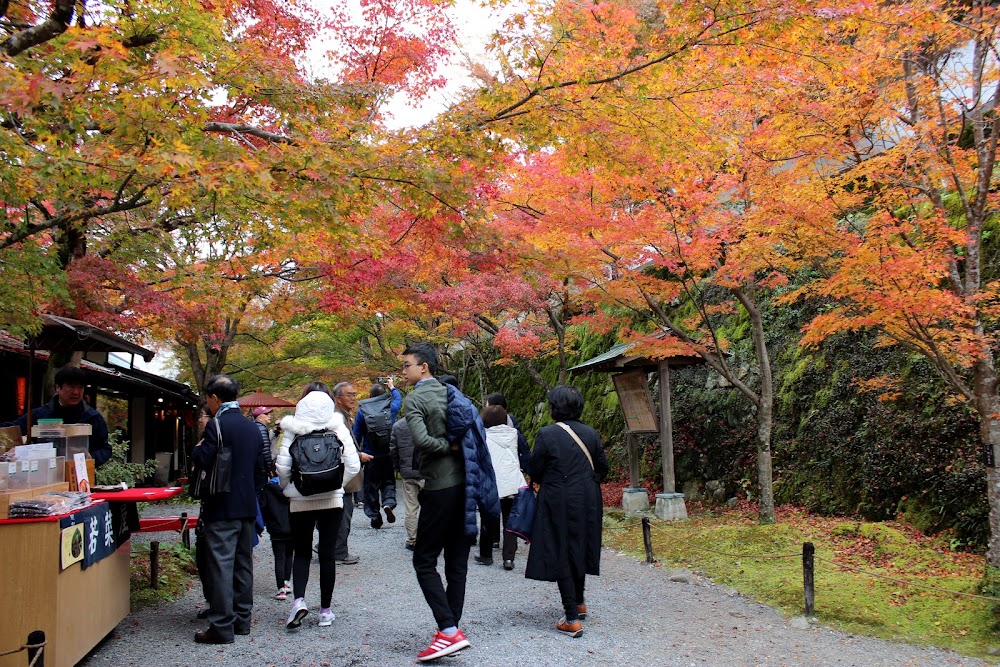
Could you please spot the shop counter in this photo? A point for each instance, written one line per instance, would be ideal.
(76, 598)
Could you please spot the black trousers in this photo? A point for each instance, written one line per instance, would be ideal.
(344, 531)
(489, 532)
(283, 553)
(327, 523)
(441, 529)
(571, 592)
(228, 563)
(380, 479)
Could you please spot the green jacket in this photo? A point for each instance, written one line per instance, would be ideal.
(426, 414)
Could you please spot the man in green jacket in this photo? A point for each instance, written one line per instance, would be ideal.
(442, 502)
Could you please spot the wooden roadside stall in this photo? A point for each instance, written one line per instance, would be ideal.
(66, 576)
(629, 373)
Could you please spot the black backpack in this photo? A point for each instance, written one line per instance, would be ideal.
(317, 462)
(377, 413)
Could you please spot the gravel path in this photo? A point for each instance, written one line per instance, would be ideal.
(636, 614)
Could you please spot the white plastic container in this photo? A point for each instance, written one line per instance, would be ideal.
(17, 475)
(57, 469)
(38, 473)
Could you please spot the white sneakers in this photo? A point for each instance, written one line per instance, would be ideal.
(299, 611)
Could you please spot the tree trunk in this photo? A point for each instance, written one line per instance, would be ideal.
(765, 512)
(765, 406)
(987, 402)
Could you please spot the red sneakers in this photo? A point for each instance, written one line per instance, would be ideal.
(443, 645)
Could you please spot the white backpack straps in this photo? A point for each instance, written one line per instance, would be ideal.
(575, 437)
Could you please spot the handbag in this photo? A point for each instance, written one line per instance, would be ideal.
(521, 521)
(212, 481)
(354, 486)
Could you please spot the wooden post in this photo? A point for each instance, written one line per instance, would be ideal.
(808, 571)
(647, 540)
(154, 564)
(666, 430)
(632, 445)
(35, 638)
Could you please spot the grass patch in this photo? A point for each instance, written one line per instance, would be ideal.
(177, 574)
(870, 577)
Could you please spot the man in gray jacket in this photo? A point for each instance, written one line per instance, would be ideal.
(401, 453)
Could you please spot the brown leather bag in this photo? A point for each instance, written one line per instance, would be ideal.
(354, 486)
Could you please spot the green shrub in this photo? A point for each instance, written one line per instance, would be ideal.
(119, 469)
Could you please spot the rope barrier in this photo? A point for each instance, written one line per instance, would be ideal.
(41, 650)
(25, 647)
(729, 555)
(686, 540)
(906, 582)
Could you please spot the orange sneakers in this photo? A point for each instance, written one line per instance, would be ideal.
(572, 628)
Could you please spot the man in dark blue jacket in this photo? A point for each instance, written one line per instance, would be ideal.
(68, 405)
(227, 519)
(380, 477)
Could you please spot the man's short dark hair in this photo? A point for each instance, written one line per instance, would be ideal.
(424, 353)
(493, 415)
(565, 402)
(70, 375)
(377, 389)
(222, 386)
(448, 378)
(496, 398)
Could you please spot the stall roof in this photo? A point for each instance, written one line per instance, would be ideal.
(617, 359)
(133, 382)
(65, 334)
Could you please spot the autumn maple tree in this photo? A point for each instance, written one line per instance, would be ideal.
(846, 142)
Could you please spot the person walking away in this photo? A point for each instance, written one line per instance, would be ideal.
(372, 431)
(523, 451)
(401, 454)
(262, 420)
(227, 519)
(568, 464)
(274, 507)
(346, 398)
(315, 416)
(501, 440)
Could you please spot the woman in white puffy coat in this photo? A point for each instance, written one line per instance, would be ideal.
(501, 440)
(315, 411)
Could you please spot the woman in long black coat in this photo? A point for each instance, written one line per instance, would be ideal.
(566, 544)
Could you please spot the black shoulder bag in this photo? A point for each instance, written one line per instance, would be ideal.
(212, 481)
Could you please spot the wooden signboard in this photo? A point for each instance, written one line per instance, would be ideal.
(637, 404)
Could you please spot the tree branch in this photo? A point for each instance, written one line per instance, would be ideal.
(56, 24)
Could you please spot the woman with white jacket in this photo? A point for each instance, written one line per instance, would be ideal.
(315, 411)
(502, 442)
